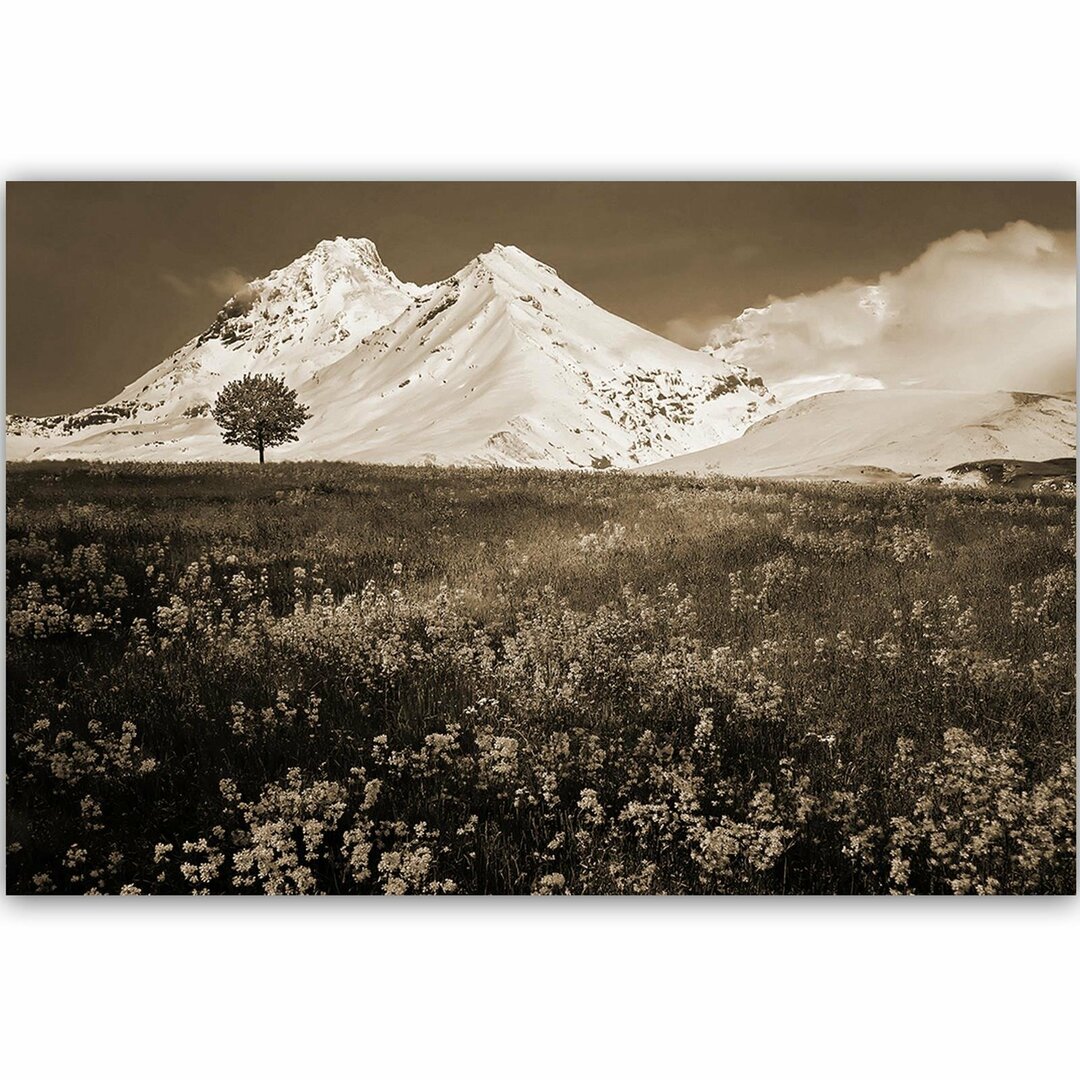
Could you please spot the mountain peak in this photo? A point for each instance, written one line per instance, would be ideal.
(509, 255)
(338, 263)
(342, 252)
(511, 267)
(292, 322)
(349, 247)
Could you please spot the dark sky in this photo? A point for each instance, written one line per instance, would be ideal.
(104, 280)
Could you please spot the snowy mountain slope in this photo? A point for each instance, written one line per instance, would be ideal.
(881, 434)
(502, 363)
(505, 362)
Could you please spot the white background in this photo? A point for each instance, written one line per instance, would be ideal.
(546, 90)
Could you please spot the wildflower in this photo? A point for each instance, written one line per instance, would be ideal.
(550, 884)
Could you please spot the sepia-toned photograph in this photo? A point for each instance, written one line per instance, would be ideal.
(546, 538)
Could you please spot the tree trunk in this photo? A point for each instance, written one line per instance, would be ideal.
(261, 460)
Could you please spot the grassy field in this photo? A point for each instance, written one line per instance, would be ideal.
(330, 678)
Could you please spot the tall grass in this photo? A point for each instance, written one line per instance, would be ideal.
(335, 678)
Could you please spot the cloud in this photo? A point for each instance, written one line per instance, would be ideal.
(226, 282)
(178, 284)
(974, 311)
(221, 283)
(691, 331)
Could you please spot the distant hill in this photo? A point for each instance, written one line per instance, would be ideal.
(1055, 474)
(876, 435)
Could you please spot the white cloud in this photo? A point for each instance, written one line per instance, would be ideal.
(221, 284)
(691, 331)
(178, 284)
(226, 282)
(974, 311)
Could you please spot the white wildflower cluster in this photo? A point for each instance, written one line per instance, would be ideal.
(287, 833)
(977, 822)
(52, 748)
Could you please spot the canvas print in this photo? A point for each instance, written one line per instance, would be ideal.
(540, 538)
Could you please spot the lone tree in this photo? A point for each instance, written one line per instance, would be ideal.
(259, 411)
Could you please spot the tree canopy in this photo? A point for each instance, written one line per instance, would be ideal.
(259, 411)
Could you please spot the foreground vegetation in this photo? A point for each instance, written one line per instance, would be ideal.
(330, 678)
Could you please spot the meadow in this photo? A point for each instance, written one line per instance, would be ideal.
(317, 678)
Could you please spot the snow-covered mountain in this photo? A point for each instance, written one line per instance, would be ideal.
(506, 362)
(501, 363)
(291, 322)
(867, 435)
